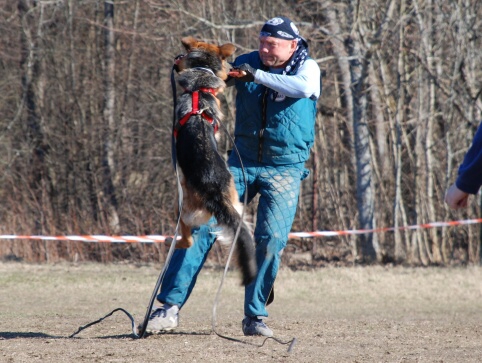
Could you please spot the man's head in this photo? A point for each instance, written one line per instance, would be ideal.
(278, 40)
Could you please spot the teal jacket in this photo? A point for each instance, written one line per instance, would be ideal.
(276, 132)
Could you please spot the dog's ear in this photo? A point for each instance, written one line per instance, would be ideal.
(226, 50)
(189, 43)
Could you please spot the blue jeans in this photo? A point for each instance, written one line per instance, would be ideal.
(278, 188)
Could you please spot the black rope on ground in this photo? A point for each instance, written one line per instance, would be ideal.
(134, 327)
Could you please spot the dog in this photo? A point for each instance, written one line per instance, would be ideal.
(207, 184)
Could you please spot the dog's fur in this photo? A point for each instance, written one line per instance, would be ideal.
(207, 185)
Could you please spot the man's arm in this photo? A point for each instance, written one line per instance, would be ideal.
(470, 171)
(469, 177)
(304, 84)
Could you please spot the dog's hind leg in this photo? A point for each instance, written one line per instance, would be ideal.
(193, 215)
(228, 214)
(186, 240)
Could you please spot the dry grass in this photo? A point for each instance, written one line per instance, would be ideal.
(370, 314)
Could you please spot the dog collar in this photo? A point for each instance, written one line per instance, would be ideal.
(196, 111)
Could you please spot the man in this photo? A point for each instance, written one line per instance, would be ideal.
(277, 90)
(469, 177)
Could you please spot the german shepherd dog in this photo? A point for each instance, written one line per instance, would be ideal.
(207, 184)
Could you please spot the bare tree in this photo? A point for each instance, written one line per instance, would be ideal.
(86, 110)
(109, 164)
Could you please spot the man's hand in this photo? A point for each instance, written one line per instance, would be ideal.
(456, 198)
(244, 73)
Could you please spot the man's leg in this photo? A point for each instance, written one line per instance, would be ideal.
(184, 267)
(179, 280)
(279, 191)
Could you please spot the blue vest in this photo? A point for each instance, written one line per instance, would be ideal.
(268, 131)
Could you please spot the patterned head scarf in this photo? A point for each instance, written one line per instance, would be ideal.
(280, 27)
(283, 28)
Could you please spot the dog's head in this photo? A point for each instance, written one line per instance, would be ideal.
(205, 55)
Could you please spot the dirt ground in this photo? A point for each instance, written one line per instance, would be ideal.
(358, 314)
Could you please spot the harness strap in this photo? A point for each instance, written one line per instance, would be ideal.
(196, 111)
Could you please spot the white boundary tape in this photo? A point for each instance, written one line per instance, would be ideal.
(161, 239)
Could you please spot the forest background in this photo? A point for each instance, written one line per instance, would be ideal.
(86, 113)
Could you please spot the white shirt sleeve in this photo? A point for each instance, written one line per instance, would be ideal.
(304, 84)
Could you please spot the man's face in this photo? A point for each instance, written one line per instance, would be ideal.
(275, 52)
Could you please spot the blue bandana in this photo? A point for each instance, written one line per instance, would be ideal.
(280, 27)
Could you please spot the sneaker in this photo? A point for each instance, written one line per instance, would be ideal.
(255, 326)
(163, 319)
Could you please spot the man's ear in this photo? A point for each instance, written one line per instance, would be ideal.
(294, 44)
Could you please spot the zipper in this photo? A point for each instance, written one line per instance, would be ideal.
(263, 124)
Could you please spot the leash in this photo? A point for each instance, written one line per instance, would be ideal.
(139, 334)
(180, 199)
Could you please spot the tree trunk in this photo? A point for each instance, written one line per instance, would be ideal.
(399, 253)
(110, 199)
(345, 96)
(124, 131)
(427, 42)
(420, 245)
(361, 134)
(33, 90)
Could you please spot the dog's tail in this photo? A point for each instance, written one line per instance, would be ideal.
(229, 219)
(246, 252)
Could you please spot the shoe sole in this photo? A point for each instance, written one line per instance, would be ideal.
(258, 335)
(160, 331)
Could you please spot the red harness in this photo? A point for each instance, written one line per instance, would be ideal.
(196, 111)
